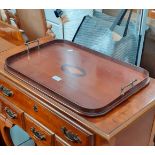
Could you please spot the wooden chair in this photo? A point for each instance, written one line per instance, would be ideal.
(9, 36)
(33, 22)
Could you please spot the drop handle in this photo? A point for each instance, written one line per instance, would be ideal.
(1, 87)
(70, 135)
(7, 92)
(37, 134)
(10, 113)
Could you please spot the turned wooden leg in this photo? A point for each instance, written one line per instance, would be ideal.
(2, 143)
(5, 126)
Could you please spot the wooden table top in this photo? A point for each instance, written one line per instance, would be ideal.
(5, 45)
(11, 34)
(107, 125)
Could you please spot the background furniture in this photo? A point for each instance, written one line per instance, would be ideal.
(10, 37)
(10, 33)
(5, 45)
(33, 22)
(49, 123)
(148, 56)
(152, 13)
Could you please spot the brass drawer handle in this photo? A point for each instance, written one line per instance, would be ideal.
(10, 113)
(6, 91)
(38, 135)
(70, 136)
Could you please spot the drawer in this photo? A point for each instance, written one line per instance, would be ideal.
(63, 127)
(60, 142)
(5, 90)
(10, 92)
(40, 134)
(11, 112)
(2, 120)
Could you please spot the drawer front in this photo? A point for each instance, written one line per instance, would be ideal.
(38, 132)
(5, 89)
(65, 128)
(10, 92)
(68, 130)
(11, 112)
(60, 142)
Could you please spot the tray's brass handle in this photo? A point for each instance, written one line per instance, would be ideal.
(6, 91)
(131, 84)
(10, 113)
(38, 135)
(28, 43)
(70, 136)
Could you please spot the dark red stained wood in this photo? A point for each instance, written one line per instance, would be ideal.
(91, 82)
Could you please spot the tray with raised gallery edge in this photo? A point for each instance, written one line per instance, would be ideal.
(85, 81)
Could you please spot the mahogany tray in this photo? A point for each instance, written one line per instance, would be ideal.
(81, 79)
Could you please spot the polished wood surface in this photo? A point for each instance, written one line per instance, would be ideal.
(40, 134)
(58, 143)
(42, 114)
(8, 108)
(11, 34)
(5, 45)
(82, 82)
(114, 128)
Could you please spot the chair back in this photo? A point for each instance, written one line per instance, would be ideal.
(33, 22)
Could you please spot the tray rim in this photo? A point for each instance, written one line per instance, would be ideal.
(71, 104)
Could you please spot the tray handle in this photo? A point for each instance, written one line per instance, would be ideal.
(131, 84)
(28, 43)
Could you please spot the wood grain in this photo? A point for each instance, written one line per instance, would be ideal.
(5, 45)
(109, 129)
(33, 22)
(84, 93)
(11, 34)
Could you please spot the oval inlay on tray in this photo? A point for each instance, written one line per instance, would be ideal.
(73, 70)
